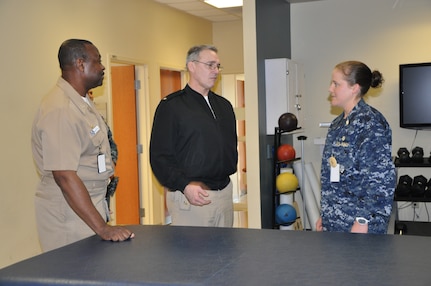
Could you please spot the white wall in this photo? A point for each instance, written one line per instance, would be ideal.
(381, 33)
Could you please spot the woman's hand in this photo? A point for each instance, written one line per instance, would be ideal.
(319, 226)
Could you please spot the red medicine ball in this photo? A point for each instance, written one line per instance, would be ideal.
(285, 152)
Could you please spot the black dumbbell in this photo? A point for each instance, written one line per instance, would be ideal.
(418, 154)
(404, 186)
(403, 155)
(419, 186)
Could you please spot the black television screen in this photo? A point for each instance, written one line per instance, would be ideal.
(415, 96)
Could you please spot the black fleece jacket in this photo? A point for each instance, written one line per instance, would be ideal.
(189, 144)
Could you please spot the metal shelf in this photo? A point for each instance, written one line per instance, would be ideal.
(424, 163)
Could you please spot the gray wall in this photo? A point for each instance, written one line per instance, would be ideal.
(273, 41)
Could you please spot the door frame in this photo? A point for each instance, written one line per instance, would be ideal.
(143, 123)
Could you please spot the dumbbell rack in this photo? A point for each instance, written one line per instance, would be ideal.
(411, 227)
(425, 163)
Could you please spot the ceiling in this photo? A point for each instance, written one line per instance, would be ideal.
(203, 10)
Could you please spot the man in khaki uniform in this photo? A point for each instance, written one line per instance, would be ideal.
(72, 154)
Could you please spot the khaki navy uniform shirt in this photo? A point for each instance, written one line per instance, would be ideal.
(67, 134)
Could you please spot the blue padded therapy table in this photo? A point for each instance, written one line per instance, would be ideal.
(169, 255)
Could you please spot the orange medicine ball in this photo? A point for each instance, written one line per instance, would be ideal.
(285, 152)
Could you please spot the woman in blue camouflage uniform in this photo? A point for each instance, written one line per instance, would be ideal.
(358, 175)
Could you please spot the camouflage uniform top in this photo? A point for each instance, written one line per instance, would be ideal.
(361, 144)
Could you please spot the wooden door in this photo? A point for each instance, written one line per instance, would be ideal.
(170, 81)
(125, 135)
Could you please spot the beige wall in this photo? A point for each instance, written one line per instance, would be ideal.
(251, 114)
(227, 36)
(31, 32)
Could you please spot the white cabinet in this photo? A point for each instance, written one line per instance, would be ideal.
(284, 79)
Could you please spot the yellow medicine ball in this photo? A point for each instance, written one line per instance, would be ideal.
(286, 182)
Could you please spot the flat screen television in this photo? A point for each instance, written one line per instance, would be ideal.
(415, 96)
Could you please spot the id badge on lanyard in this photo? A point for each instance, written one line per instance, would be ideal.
(101, 162)
(335, 170)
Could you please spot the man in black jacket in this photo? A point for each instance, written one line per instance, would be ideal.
(193, 148)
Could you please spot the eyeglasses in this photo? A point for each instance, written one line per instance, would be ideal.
(211, 66)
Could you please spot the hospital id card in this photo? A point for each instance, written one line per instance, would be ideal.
(335, 173)
(101, 163)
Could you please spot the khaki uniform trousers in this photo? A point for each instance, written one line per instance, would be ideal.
(219, 213)
(57, 223)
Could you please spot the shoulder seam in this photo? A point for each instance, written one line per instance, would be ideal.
(174, 94)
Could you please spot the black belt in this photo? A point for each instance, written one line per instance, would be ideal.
(218, 186)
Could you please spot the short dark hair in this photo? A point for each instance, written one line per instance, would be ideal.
(71, 50)
(359, 73)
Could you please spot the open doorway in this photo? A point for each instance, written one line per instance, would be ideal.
(128, 105)
(233, 89)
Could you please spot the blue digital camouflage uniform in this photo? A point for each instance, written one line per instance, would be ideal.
(112, 186)
(362, 145)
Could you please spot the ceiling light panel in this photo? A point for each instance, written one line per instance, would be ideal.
(224, 3)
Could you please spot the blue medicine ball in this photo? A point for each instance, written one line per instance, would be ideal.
(285, 214)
